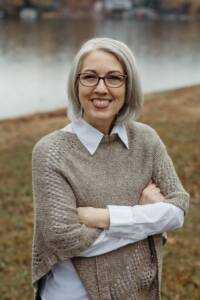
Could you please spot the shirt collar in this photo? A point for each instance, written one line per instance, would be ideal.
(90, 137)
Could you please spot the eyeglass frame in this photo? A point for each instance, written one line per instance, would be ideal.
(102, 77)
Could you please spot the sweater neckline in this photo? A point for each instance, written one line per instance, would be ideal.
(105, 139)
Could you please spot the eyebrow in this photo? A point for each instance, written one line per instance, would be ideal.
(93, 71)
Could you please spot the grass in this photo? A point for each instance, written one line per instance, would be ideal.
(175, 115)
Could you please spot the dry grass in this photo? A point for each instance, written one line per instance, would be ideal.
(176, 116)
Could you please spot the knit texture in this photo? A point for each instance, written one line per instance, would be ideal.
(65, 176)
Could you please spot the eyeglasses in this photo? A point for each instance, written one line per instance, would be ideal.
(110, 80)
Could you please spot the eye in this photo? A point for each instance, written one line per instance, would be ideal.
(114, 77)
(88, 79)
(88, 76)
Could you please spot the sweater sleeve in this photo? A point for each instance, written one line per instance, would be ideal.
(165, 176)
(56, 218)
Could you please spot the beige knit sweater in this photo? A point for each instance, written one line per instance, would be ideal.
(65, 176)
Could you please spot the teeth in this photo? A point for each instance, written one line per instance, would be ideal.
(101, 103)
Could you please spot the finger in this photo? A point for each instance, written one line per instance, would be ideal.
(152, 186)
(149, 183)
(156, 190)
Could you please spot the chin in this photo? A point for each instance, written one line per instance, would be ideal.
(103, 116)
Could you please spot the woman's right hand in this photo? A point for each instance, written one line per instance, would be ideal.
(151, 194)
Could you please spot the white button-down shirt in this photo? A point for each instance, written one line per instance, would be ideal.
(127, 225)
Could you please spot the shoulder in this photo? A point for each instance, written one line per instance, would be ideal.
(145, 140)
(51, 145)
(46, 142)
(142, 132)
(141, 127)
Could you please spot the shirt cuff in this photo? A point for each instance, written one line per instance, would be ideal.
(120, 216)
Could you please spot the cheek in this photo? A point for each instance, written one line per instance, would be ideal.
(79, 89)
(81, 93)
(121, 99)
(122, 96)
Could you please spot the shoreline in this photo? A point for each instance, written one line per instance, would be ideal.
(177, 92)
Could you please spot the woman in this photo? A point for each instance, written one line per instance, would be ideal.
(104, 188)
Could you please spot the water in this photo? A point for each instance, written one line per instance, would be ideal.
(35, 58)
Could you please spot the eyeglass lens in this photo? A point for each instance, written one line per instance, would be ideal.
(111, 80)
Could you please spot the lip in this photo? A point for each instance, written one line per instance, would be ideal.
(101, 99)
(100, 103)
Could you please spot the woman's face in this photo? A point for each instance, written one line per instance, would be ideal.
(101, 103)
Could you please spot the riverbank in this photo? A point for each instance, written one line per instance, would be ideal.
(175, 115)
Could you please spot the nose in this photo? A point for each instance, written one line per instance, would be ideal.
(101, 87)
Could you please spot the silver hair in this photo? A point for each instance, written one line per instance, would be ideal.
(133, 97)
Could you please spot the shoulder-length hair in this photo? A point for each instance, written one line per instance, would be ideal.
(133, 96)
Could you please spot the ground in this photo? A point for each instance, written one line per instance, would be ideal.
(176, 117)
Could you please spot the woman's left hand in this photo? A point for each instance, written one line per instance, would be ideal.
(94, 217)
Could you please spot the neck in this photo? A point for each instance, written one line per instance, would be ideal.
(101, 125)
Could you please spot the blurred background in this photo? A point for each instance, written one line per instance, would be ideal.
(38, 40)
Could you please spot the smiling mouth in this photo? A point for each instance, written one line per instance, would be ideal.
(101, 103)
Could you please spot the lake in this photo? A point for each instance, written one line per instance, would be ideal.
(35, 57)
